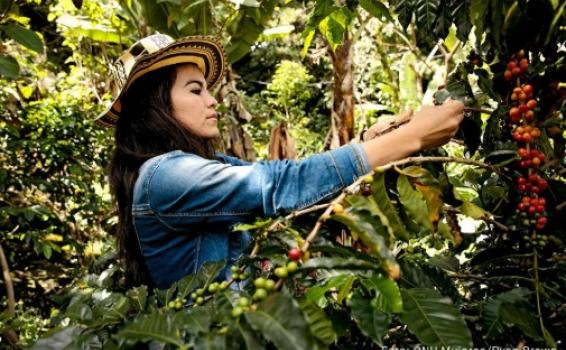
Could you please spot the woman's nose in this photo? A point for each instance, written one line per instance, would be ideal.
(211, 102)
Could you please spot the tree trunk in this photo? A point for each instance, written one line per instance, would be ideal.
(10, 335)
(343, 93)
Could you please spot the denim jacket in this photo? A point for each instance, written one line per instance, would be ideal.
(185, 206)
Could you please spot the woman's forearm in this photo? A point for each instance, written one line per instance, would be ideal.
(397, 144)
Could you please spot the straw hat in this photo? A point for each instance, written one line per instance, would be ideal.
(158, 51)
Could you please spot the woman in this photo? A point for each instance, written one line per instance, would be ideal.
(178, 199)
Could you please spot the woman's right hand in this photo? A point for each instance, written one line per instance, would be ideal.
(429, 128)
(434, 126)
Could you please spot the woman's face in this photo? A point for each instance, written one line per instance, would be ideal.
(193, 106)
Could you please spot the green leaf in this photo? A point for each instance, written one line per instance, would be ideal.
(387, 295)
(309, 36)
(316, 293)
(363, 228)
(425, 12)
(507, 309)
(384, 203)
(460, 15)
(338, 263)
(434, 319)
(202, 16)
(557, 17)
(110, 307)
(260, 223)
(9, 67)
(478, 10)
(493, 127)
(486, 84)
(247, 27)
(197, 320)
(473, 211)
(376, 8)
(242, 334)
(432, 196)
(95, 31)
(322, 9)
(211, 341)
(204, 276)
(57, 338)
(404, 9)
(371, 321)
(280, 321)
(333, 28)
(24, 36)
(446, 262)
(408, 79)
(138, 297)
(414, 202)
(320, 325)
(156, 326)
(79, 312)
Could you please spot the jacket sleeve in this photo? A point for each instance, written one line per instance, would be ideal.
(232, 160)
(184, 189)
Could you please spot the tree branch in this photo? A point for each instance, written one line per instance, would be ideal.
(9, 334)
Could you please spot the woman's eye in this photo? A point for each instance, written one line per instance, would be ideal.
(196, 91)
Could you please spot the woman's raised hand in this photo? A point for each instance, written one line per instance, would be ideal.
(429, 128)
(434, 126)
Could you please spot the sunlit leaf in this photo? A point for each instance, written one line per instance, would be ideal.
(338, 263)
(95, 31)
(474, 211)
(414, 202)
(387, 295)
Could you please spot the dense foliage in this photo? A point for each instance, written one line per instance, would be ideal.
(461, 246)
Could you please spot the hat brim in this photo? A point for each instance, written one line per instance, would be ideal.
(204, 51)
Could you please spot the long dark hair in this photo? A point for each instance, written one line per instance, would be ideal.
(146, 128)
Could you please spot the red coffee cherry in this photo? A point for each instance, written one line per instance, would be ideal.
(294, 254)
